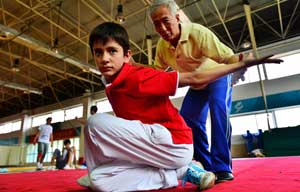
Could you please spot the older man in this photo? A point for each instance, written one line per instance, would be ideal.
(189, 47)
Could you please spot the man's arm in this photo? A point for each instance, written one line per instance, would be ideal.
(202, 78)
(81, 121)
(51, 139)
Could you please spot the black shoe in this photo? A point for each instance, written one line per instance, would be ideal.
(223, 177)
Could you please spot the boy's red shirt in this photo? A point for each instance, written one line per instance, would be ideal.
(140, 93)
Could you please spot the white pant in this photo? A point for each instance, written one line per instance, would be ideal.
(124, 155)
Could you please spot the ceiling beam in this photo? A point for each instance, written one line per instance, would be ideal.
(291, 19)
(92, 5)
(223, 23)
(49, 69)
(44, 48)
(280, 17)
(50, 21)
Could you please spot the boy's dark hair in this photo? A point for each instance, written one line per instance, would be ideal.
(67, 141)
(49, 118)
(109, 30)
(94, 108)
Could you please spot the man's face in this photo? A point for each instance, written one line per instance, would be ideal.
(49, 121)
(166, 24)
(109, 58)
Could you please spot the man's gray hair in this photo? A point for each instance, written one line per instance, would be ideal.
(170, 4)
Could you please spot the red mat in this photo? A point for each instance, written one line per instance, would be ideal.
(280, 174)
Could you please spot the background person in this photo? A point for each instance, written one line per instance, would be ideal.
(65, 159)
(44, 136)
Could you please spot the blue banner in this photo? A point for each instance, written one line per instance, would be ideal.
(278, 100)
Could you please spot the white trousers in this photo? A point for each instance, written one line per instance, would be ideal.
(124, 155)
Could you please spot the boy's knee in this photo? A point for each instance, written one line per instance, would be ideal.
(56, 153)
(99, 122)
(96, 120)
(180, 162)
(99, 184)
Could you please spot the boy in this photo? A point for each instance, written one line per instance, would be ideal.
(147, 145)
(66, 159)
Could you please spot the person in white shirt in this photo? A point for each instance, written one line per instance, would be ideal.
(65, 159)
(44, 136)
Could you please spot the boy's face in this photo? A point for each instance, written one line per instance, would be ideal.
(68, 145)
(166, 24)
(109, 58)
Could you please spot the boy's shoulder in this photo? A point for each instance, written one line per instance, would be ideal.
(137, 67)
(132, 72)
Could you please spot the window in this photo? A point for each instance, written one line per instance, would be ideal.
(16, 126)
(2, 129)
(7, 127)
(31, 153)
(289, 68)
(252, 75)
(58, 116)
(10, 127)
(74, 112)
(274, 71)
(241, 124)
(288, 117)
(40, 120)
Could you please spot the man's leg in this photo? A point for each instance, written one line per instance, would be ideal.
(39, 156)
(220, 106)
(194, 110)
(44, 151)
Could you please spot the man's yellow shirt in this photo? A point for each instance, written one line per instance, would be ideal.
(198, 48)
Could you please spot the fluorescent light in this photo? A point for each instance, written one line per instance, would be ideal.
(21, 87)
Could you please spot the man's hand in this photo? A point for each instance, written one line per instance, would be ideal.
(238, 75)
(250, 61)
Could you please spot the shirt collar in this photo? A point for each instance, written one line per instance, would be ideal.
(104, 81)
(185, 31)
